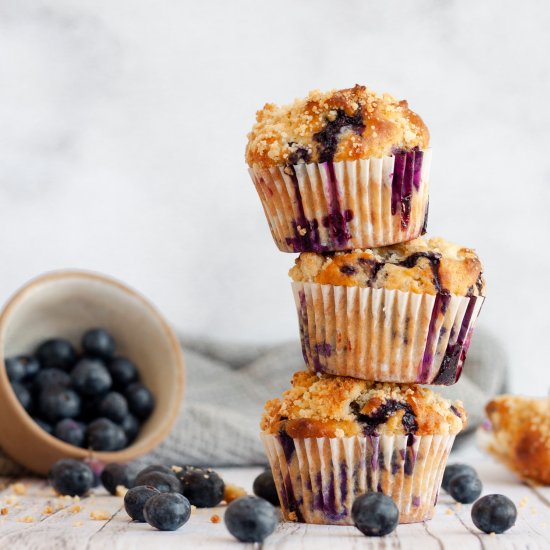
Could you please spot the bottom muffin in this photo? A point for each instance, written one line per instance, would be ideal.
(332, 438)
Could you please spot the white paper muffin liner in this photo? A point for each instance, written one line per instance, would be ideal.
(318, 479)
(385, 335)
(346, 205)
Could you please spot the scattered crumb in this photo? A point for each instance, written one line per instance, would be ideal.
(48, 510)
(193, 508)
(76, 498)
(176, 469)
(523, 502)
(19, 488)
(492, 534)
(4, 511)
(75, 508)
(100, 515)
(26, 519)
(10, 499)
(232, 492)
(292, 516)
(121, 490)
(215, 518)
(78, 524)
(449, 512)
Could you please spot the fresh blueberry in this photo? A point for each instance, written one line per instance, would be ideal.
(123, 372)
(140, 400)
(90, 377)
(44, 425)
(454, 469)
(15, 369)
(29, 365)
(465, 488)
(114, 407)
(97, 467)
(165, 483)
(494, 514)
(251, 519)
(70, 431)
(114, 475)
(105, 435)
(56, 403)
(130, 425)
(374, 514)
(203, 488)
(56, 353)
(97, 342)
(48, 378)
(264, 487)
(71, 477)
(135, 499)
(167, 511)
(23, 395)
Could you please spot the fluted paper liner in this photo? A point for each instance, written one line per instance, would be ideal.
(385, 335)
(318, 479)
(348, 204)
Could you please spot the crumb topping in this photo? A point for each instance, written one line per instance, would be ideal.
(338, 125)
(420, 266)
(337, 406)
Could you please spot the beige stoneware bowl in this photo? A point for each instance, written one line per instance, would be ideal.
(66, 303)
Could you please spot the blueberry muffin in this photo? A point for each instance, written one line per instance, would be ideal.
(340, 170)
(331, 438)
(520, 435)
(402, 313)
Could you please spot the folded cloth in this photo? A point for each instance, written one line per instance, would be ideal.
(228, 384)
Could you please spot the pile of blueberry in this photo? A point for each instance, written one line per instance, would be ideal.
(92, 400)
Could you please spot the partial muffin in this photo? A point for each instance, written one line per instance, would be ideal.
(340, 170)
(403, 313)
(520, 435)
(331, 438)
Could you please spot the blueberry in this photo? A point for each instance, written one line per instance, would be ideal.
(56, 403)
(165, 483)
(105, 435)
(30, 365)
(135, 499)
(90, 377)
(56, 353)
(494, 514)
(44, 425)
(70, 431)
(114, 407)
(114, 475)
(454, 469)
(123, 372)
(140, 400)
(203, 488)
(23, 395)
(71, 477)
(15, 369)
(130, 425)
(97, 467)
(374, 514)
(97, 342)
(465, 488)
(251, 519)
(167, 511)
(264, 487)
(47, 378)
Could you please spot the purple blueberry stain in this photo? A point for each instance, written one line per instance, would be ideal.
(416, 501)
(323, 349)
(370, 422)
(406, 178)
(347, 269)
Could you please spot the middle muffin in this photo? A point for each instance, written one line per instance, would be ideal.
(402, 313)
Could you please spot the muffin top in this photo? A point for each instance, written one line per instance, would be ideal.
(520, 434)
(349, 124)
(338, 406)
(421, 266)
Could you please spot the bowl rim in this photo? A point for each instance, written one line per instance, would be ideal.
(124, 455)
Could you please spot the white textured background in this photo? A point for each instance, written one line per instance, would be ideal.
(122, 134)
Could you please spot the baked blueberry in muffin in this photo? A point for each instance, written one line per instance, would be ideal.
(340, 170)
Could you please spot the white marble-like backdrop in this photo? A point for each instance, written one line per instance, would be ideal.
(123, 125)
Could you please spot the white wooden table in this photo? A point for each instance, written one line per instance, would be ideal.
(30, 523)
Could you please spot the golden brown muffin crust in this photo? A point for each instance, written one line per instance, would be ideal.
(349, 124)
(521, 434)
(338, 406)
(420, 266)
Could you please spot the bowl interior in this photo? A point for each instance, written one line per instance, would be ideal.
(66, 304)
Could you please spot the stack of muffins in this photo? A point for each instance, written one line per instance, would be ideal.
(343, 179)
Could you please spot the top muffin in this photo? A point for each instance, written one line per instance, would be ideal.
(349, 124)
(421, 266)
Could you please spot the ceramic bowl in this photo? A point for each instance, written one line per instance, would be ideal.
(65, 304)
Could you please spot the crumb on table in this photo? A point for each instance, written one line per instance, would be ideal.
(215, 518)
(100, 515)
(233, 492)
